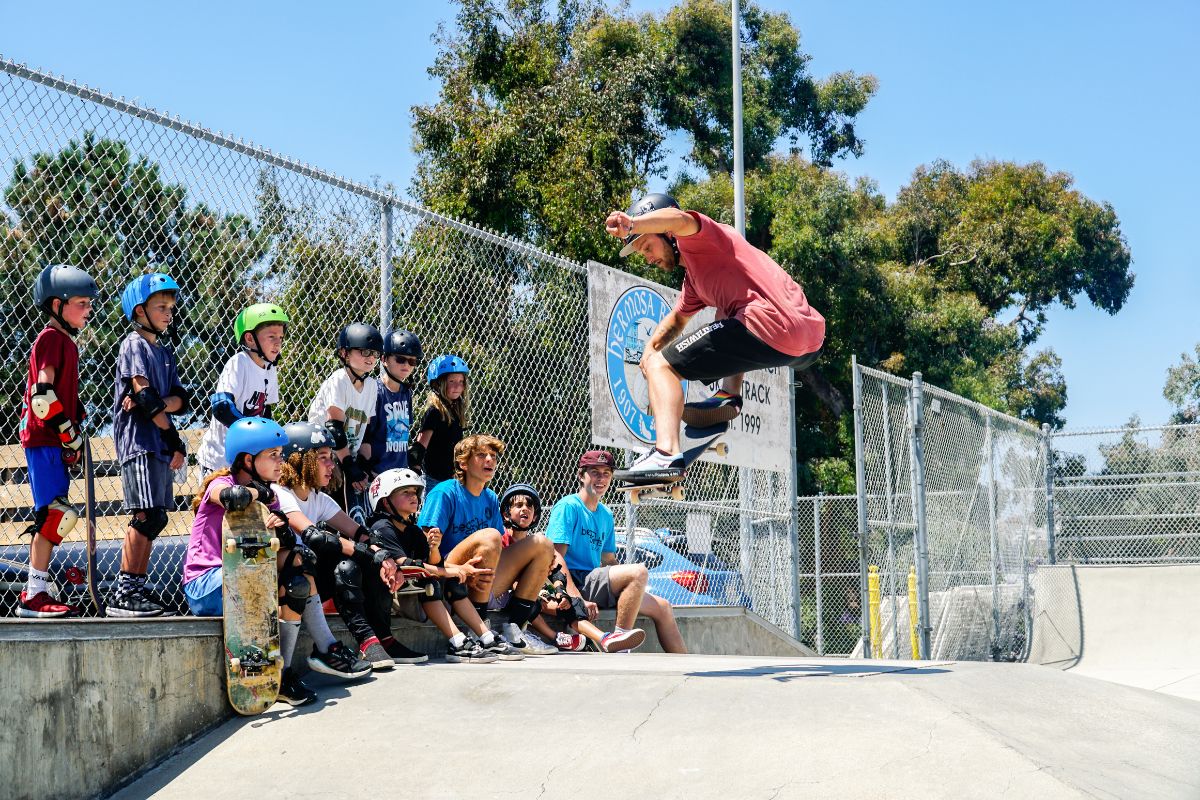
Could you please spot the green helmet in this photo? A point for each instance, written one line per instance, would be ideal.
(250, 318)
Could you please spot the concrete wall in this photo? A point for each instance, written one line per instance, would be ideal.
(87, 704)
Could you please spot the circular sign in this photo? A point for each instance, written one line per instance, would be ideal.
(631, 322)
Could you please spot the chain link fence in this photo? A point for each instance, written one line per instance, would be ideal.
(1127, 495)
(951, 493)
(121, 190)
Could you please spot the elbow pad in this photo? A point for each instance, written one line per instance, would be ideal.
(223, 409)
(148, 402)
(235, 498)
(323, 541)
(416, 454)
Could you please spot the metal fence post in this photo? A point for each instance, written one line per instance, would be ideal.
(631, 519)
(385, 267)
(891, 514)
(860, 484)
(992, 533)
(794, 509)
(917, 422)
(1048, 454)
(817, 583)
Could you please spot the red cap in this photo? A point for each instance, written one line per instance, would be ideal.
(597, 458)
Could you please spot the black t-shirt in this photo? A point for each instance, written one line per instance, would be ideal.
(439, 455)
(407, 540)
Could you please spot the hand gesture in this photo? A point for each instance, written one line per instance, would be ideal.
(470, 574)
(592, 609)
(618, 224)
(433, 536)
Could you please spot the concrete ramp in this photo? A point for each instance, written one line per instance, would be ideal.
(1135, 625)
(662, 726)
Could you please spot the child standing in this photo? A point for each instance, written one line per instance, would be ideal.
(386, 443)
(147, 391)
(254, 452)
(345, 403)
(447, 414)
(50, 422)
(249, 382)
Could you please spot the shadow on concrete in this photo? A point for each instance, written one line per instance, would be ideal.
(788, 672)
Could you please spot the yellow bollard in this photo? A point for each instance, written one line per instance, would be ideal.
(873, 607)
(912, 613)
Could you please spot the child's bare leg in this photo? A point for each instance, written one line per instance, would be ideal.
(589, 630)
(470, 617)
(439, 615)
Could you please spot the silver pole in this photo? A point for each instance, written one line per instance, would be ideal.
(794, 517)
(917, 418)
(860, 485)
(891, 518)
(739, 198)
(385, 268)
(992, 535)
(630, 515)
(1048, 455)
(817, 574)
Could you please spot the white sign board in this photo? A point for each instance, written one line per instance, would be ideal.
(623, 311)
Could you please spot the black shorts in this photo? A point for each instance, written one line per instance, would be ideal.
(725, 348)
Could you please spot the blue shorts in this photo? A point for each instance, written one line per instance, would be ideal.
(203, 593)
(48, 476)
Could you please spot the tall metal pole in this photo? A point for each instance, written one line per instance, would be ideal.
(993, 534)
(1048, 455)
(917, 420)
(385, 267)
(739, 198)
(860, 486)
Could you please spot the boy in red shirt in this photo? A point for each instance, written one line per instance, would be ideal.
(50, 421)
(763, 320)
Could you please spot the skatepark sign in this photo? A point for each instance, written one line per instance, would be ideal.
(623, 311)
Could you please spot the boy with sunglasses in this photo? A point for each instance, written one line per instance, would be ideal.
(386, 443)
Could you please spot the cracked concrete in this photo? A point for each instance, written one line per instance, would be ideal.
(660, 726)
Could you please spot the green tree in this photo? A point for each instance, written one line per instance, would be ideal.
(1182, 388)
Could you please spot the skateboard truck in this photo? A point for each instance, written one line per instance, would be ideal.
(249, 545)
(253, 661)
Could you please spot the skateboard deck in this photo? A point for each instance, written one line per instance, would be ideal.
(89, 507)
(249, 593)
(694, 442)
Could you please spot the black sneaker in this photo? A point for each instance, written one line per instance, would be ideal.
(293, 692)
(372, 651)
(503, 650)
(469, 652)
(133, 604)
(402, 654)
(340, 661)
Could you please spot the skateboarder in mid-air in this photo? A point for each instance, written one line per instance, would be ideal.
(763, 320)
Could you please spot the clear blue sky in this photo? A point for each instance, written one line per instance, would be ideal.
(1106, 91)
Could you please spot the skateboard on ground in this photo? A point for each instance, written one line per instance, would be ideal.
(694, 442)
(89, 507)
(249, 593)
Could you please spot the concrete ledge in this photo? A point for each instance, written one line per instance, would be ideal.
(112, 698)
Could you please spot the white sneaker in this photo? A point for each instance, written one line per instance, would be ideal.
(537, 646)
(654, 467)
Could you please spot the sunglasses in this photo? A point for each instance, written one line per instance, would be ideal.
(410, 360)
(365, 353)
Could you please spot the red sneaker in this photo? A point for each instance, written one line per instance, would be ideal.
(41, 605)
(570, 642)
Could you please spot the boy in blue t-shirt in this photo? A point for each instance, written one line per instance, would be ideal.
(149, 448)
(583, 532)
(464, 516)
(385, 444)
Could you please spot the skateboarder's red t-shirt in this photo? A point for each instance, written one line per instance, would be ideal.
(726, 272)
(51, 348)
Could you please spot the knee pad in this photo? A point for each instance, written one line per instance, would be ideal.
(296, 591)
(56, 520)
(153, 522)
(347, 580)
(455, 590)
(437, 596)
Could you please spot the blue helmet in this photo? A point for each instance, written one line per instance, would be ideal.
(253, 435)
(140, 288)
(445, 365)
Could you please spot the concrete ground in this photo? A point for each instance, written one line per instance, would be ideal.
(662, 726)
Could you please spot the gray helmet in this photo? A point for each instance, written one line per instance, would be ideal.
(651, 202)
(64, 282)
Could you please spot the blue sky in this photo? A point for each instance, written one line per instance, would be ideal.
(1105, 91)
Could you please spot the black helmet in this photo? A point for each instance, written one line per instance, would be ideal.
(361, 336)
(651, 202)
(64, 282)
(305, 436)
(402, 343)
(525, 489)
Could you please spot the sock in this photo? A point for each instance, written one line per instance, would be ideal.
(519, 611)
(36, 582)
(487, 639)
(289, 632)
(362, 647)
(482, 608)
(724, 395)
(318, 628)
(126, 584)
(458, 640)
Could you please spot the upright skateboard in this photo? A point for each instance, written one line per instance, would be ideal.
(249, 593)
(89, 506)
(694, 443)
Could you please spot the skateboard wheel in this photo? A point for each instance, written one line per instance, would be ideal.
(274, 544)
(677, 493)
(429, 590)
(635, 498)
(235, 665)
(721, 449)
(230, 545)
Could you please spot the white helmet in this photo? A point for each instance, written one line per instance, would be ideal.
(389, 481)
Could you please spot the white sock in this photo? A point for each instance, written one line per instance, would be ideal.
(37, 582)
(458, 640)
(318, 628)
(289, 632)
(487, 638)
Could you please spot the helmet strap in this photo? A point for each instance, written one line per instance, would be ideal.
(358, 377)
(258, 351)
(57, 315)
